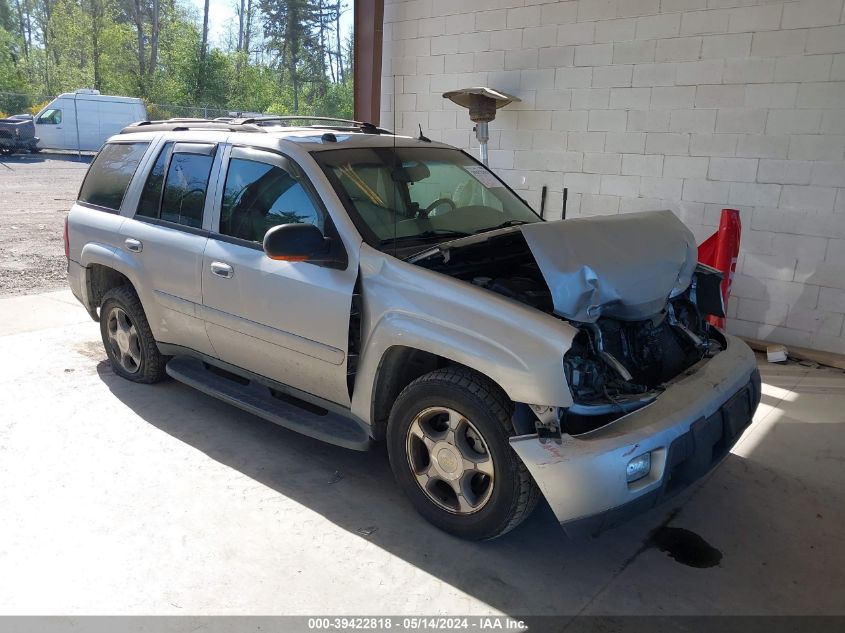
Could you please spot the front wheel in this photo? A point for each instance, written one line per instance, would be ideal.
(448, 445)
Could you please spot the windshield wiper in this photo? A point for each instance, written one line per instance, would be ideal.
(425, 236)
(503, 225)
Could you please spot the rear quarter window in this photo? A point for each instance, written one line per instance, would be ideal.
(110, 174)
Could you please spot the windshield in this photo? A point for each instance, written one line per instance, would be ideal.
(420, 194)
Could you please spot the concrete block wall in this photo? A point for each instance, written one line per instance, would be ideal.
(691, 105)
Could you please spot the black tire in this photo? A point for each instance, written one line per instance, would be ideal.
(514, 493)
(150, 369)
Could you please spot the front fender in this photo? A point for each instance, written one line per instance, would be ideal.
(518, 347)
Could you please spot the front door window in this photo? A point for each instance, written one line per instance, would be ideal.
(259, 196)
(53, 116)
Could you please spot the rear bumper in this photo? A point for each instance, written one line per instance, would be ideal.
(687, 430)
(77, 279)
(19, 144)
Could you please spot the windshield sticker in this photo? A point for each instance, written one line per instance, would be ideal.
(483, 176)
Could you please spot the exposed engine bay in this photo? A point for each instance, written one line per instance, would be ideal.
(615, 365)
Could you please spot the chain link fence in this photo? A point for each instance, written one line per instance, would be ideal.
(169, 111)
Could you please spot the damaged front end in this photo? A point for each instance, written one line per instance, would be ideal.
(658, 395)
(631, 286)
(615, 367)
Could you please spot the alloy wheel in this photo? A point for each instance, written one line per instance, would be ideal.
(450, 460)
(123, 340)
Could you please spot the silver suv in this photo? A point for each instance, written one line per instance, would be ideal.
(357, 286)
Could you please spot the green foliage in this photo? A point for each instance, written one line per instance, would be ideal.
(95, 43)
(38, 107)
(335, 101)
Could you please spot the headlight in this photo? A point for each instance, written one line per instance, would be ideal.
(638, 467)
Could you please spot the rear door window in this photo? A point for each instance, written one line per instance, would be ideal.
(185, 188)
(150, 202)
(177, 184)
(110, 174)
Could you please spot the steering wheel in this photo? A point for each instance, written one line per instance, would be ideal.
(437, 203)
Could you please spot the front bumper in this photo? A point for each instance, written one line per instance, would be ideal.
(687, 430)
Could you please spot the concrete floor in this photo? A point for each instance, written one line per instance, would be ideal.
(125, 499)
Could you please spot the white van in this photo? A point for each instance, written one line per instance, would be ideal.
(84, 119)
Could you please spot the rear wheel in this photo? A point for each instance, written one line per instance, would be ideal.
(448, 444)
(128, 339)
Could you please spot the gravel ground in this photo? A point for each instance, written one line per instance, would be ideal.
(36, 192)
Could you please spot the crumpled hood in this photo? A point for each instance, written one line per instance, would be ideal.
(621, 266)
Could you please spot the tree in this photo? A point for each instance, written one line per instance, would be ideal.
(285, 56)
(290, 27)
(338, 52)
(204, 45)
(155, 32)
(96, 10)
(136, 10)
(203, 70)
(23, 14)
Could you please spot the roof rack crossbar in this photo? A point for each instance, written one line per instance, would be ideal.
(182, 124)
(350, 123)
(253, 124)
(294, 117)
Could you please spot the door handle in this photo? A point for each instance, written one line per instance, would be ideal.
(133, 245)
(222, 270)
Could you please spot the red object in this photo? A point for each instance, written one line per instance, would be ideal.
(720, 251)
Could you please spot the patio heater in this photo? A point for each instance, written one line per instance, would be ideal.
(482, 104)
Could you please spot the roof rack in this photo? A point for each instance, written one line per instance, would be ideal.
(253, 124)
(321, 123)
(184, 124)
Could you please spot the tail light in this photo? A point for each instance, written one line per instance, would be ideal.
(67, 242)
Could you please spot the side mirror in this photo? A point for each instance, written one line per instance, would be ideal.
(297, 243)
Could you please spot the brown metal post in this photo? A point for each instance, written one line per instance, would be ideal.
(369, 28)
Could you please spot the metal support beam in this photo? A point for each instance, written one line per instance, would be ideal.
(369, 28)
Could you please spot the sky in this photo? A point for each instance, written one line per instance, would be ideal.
(222, 18)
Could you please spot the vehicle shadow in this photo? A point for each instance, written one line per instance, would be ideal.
(533, 570)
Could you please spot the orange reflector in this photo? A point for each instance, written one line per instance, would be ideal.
(290, 258)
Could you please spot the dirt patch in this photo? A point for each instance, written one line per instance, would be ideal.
(36, 192)
(91, 349)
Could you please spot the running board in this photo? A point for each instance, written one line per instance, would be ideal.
(271, 404)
